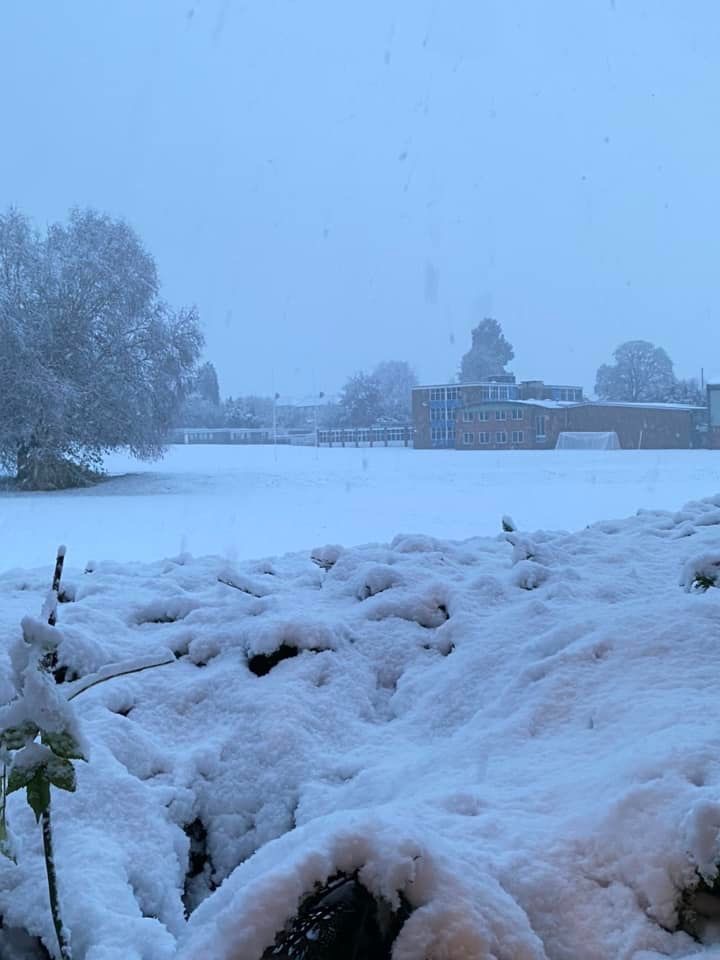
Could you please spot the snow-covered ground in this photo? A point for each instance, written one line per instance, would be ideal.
(518, 735)
(244, 502)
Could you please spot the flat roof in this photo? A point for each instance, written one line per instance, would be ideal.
(635, 405)
(497, 383)
(565, 404)
(548, 404)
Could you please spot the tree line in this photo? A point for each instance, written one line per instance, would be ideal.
(93, 359)
(640, 372)
(382, 395)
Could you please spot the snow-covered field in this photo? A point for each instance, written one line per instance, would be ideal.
(516, 735)
(245, 502)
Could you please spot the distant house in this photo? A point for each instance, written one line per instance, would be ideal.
(500, 414)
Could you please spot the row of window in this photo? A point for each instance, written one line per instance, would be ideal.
(364, 434)
(515, 414)
(442, 413)
(447, 436)
(500, 391)
(518, 436)
(441, 435)
(444, 393)
(567, 394)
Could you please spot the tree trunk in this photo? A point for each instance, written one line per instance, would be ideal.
(37, 470)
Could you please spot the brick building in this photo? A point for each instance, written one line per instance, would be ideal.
(490, 415)
(501, 414)
(713, 395)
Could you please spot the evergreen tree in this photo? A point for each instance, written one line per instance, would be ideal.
(206, 384)
(489, 354)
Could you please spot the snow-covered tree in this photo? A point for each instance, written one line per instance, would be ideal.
(641, 373)
(361, 400)
(249, 412)
(489, 354)
(91, 358)
(396, 379)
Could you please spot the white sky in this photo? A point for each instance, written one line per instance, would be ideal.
(338, 183)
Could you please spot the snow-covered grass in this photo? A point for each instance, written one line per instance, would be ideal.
(516, 732)
(244, 502)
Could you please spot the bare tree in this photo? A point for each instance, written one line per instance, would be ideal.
(641, 372)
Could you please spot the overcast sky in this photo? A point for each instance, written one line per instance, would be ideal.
(336, 183)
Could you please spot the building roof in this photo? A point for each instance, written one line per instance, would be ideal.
(564, 404)
(633, 405)
(497, 383)
(548, 404)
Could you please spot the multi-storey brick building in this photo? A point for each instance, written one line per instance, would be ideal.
(494, 414)
(500, 414)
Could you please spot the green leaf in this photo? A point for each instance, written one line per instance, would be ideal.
(14, 738)
(62, 744)
(21, 776)
(38, 793)
(60, 773)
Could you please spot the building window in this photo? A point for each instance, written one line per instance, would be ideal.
(437, 413)
(501, 437)
(518, 436)
(437, 393)
(483, 438)
(517, 413)
(468, 438)
(467, 416)
(501, 414)
(437, 434)
(540, 427)
(483, 415)
(452, 393)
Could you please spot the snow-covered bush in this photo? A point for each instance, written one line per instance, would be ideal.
(701, 572)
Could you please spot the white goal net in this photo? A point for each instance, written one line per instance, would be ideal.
(588, 441)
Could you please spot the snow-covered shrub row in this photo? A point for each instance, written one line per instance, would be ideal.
(512, 736)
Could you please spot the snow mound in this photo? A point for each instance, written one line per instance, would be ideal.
(514, 736)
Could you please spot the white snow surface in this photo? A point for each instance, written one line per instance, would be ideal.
(518, 733)
(243, 502)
